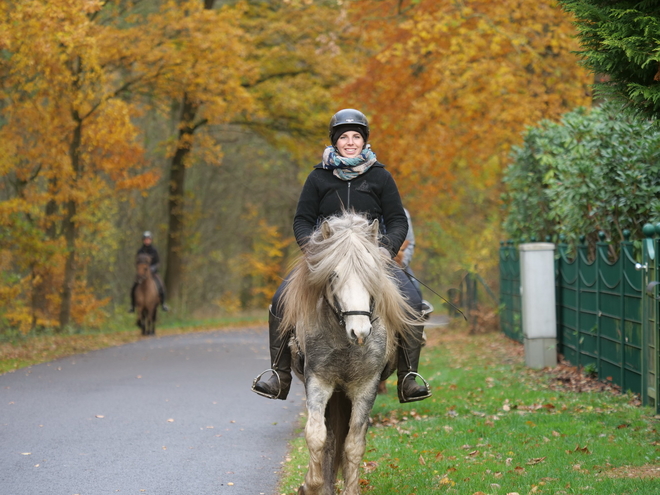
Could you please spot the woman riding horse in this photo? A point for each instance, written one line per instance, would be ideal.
(349, 178)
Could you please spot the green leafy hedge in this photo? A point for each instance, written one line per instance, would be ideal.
(595, 170)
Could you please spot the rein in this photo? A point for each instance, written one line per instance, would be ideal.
(429, 288)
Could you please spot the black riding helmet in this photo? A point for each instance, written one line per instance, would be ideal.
(347, 120)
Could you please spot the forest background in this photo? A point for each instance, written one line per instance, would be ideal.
(199, 120)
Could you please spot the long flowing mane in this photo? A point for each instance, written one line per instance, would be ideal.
(346, 242)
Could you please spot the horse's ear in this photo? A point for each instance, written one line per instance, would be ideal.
(326, 231)
(373, 230)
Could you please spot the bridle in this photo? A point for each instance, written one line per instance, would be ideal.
(341, 314)
(335, 307)
(141, 278)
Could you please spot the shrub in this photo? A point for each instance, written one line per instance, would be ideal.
(596, 170)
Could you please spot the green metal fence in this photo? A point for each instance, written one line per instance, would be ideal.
(607, 309)
(510, 304)
(599, 317)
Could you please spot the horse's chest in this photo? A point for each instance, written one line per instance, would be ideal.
(344, 359)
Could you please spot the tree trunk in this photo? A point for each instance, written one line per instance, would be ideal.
(175, 206)
(174, 272)
(42, 281)
(70, 229)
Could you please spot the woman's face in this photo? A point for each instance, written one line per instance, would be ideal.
(350, 144)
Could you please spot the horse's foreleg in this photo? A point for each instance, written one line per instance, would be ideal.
(356, 439)
(316, 434)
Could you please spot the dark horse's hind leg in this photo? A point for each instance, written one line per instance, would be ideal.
(144, 321)
(152, 330)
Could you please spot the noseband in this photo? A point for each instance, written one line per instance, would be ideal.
(340, 314)
(141, 278)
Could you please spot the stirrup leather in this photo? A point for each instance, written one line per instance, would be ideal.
(279, 384)
(413, 399)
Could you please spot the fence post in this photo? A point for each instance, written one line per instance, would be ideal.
(537, 287)
(650, 316)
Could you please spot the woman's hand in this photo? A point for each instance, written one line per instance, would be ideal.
(399, 256)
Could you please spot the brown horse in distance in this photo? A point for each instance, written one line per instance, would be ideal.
(146, 295)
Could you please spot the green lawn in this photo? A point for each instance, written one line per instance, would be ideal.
(495, 427)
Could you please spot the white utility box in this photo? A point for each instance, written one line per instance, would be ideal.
(537, 291)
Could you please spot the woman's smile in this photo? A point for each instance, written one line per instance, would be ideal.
(350, 144)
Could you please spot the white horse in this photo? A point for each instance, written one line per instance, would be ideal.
(348, 312)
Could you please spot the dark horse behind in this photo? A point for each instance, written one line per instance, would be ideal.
(348, 312)
(146, 295)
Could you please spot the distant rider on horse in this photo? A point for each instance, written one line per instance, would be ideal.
(149, 249)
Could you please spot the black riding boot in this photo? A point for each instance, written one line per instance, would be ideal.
(161, 293)
(132, 310)
(278, 385)
(408, 360)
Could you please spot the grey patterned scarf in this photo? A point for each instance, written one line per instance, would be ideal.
(348, 168)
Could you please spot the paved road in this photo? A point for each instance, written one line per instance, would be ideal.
(163, 416)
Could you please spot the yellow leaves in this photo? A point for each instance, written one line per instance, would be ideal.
(264, 262)
(445, 480)
(457, 83)
(91, 6)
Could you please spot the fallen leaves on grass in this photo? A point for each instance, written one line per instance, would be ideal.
(645, 471)
(49, 347)
(583, 450)
(567, 377)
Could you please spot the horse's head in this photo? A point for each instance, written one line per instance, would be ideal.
(349, 293)
(143, 266)
(343, 269)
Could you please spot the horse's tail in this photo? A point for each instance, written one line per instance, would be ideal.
(337, 418)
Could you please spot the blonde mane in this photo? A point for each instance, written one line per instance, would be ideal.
(348, 238)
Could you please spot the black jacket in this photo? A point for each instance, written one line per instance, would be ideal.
(373, 193)
(151, 251)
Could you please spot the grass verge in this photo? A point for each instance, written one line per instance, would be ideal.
(18, 351)
(495, 427)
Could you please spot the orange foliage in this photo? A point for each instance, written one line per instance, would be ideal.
(449, 88)
(264, 263)
(71, 141)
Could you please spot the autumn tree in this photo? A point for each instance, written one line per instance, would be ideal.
(269, 71)
(79, 79)
(449, 88)
(205, 74)
(68, 135)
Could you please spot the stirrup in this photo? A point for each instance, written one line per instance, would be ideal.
(279, 384)
(404, 399)
(427, 309)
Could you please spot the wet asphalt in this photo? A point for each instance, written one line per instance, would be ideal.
(163, 416)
